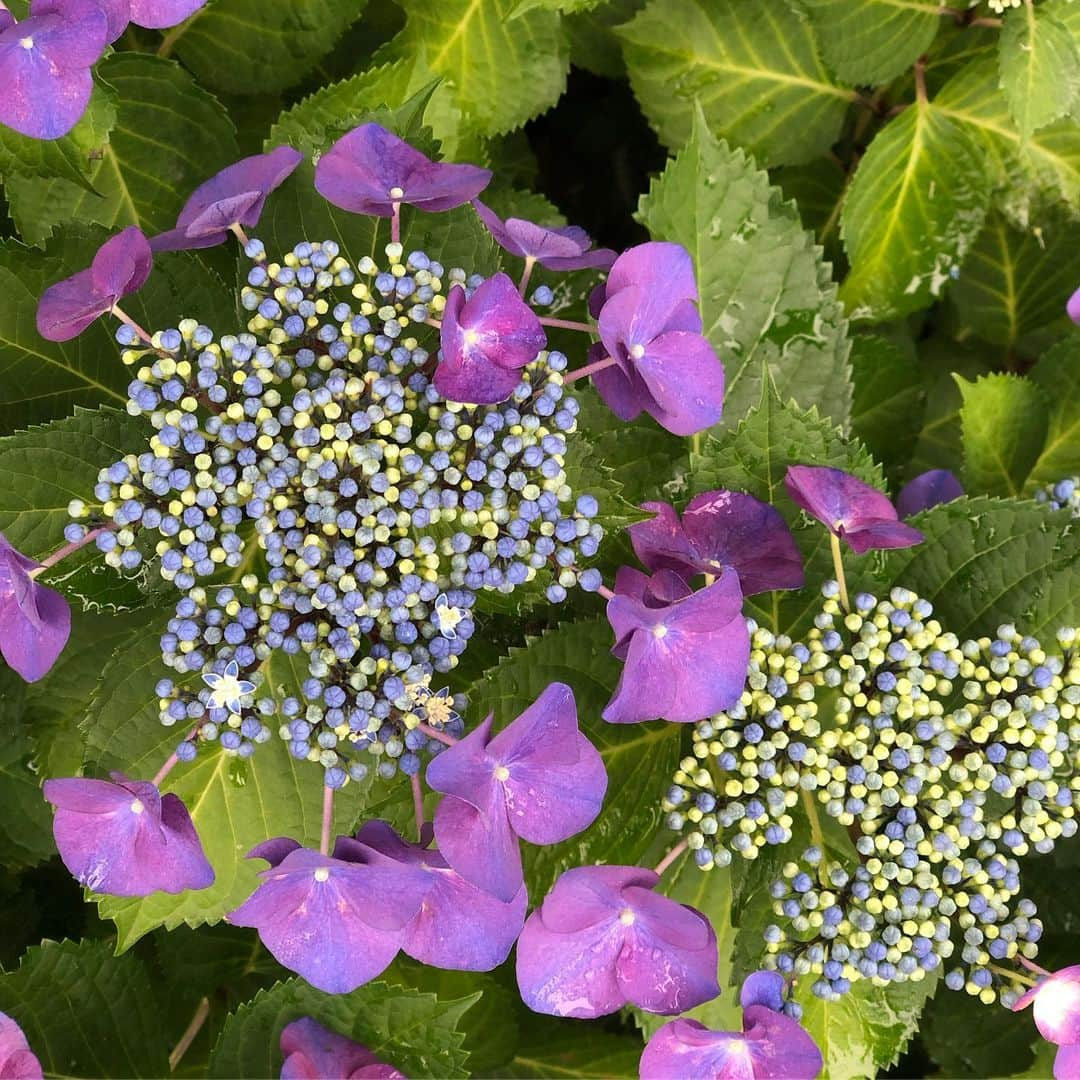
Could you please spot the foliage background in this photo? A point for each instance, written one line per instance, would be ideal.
(882, 202)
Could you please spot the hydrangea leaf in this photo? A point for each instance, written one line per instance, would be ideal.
(754, 68)
(1040, 67)
(990, 561)
(245, 47)
(566, 7)
(169, 136)
(818, 189)
(914, 207)
(1058, 374)
(501, 71)
(639, 758)
(767, 298)
(417, 1032)
(1004, 420)
(86, 1012)
(871, 42)
(551, 1047)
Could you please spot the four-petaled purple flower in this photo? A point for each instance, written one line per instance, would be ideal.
(603, 939)
(120, 267)
(17, 1060)
(650, 327)
(459, 925)
(235, 196)
(152, 14)
(337, 920)
(684, 653)
(566, 248)
(35, 621)
(850, 509)
(370, 171)
(312, 1052)
(124, 838)
(1056, 1008)
(719, 531)
(539, 779)
(45, 63)
(928, 489)
(486, 340)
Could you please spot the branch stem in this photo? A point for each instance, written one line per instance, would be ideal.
(588, 369)
(523, 284)
(567, 324)
(202, 1011)
(669, 858)
(327, 820)
(70, 549)
(418, 805)
(435, 733)
(127, 320)
(838, 566)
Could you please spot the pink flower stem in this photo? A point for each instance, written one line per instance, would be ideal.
(669, 858)
(127, 320)
(327, 820)
(418, 804)
(568, 324)
(435, 733)
(165, 769)
(605, 592)
(238, 231)
(1032, 966)
(588, 369)
(202, 1011)
(523, 284)
(395, 223)
(75, 545)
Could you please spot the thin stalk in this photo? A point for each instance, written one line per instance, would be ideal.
(69, 549)
(838, 566)
(202, 1011)
(523, 284)
(418, 805)
(327, 820)
(588, 369)
(567, 324)
(165, 769)
(669, 858)
(127, 320)
(1013, 976)
(435, 733)
(395, 223)
(605, 592)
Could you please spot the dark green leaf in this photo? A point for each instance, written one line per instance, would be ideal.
(562, 1048)
(1058, 374)
(26, 823)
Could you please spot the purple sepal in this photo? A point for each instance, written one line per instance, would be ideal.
(684, 653)
(718, 531)
(17, 1060)
(1067, 1062)
(45, 65)
(124, 838)
(486, 340)
(121, 267)
(763, 988)
(366, 169)
(1073, 307)
(459, 925)
(160, 14)
(928, 489)
(567, 248)
(539, 779)
(603, 939)
(1056, 1006)
(35, 621)
(235, 196)
(856, 512)
(313, 1052)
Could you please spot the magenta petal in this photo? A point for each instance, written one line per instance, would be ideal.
(557, 249)
(465, 769)
(782, 1050)
(312, 1051)
(835, 497)
(1072, 308)
(1057, 1007)
(480, 845)
(587, 895)
(686, 380)
(76, 37)
(657, 265)
(623, 392)
(928, 489)
(159, 14)
(687, 1050)
(122, 264)
(118, 14)
(662, 542)
(545, 730)
(1067, 1063)
(875, 534)
(33, 633)
(763, 988)
(17, 1060)
(274, 851)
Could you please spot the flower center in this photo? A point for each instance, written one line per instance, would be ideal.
(322, 874)
(27, 43)
(502, 773)
(471, 337)
(659, 631)
(396, 192)
(626, 917)
(137, 806)
(637, 351)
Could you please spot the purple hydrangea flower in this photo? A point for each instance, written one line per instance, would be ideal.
(567, 248)
(539, 779)
(763, 988)
(17, 1060)
(852, 510)
(235, 196)
(603, 939)
(35, 621)
(336, 920)
(650, 326)
(370, 170)
(459, 925)
(1073, 307)
(45, 65)
(1056, 1006)
(486, 340)
(124, 838)
(312, 1052)
(159, 14)
(928, 489)
(718, 531)
(684, 653)
(120, 267)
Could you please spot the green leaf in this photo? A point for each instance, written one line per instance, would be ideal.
(871, 42)
(502, 71)
(169, 137)
(818, 189)
(245, 47)
(640, 758)
(1010, 290)
(1040, 68)
(418, 1033)
(915, 206)
(557, 1048)
(86, 1012)
(594, 45)
(767, 299)
(990, 561)
(1004, 420)
(753, 67)
(200, 962)
(1058, 373)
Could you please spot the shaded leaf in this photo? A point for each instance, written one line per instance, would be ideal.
(1058, 374)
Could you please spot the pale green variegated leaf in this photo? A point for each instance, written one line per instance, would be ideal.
(246, 47)
(169, 137)
(1011, 289)
(871, 42)
(754, 68)
(767, 298)
(1004, 420)
(987, 561)
(914, 208)
(1040, 67)
(1058, 373)
(501, 71)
